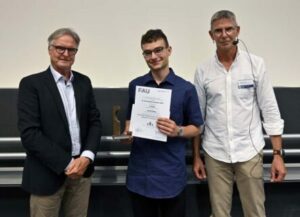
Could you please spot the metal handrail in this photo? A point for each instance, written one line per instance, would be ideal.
(125, 154)
(112, 138)
(18, 139)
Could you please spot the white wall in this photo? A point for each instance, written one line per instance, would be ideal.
(111, 30)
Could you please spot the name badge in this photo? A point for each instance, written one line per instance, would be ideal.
(245, 84)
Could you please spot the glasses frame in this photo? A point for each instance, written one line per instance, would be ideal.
(157, 51)
(61, 49)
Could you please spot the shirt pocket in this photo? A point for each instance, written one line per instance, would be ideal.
(246, 89)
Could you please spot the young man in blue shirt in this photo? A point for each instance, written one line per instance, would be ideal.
(156, 175)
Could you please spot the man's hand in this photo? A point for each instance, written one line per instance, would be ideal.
(199, 169)
(127, 133)
(167, 126)
(77, 167)
(128, 140)
(278, 170)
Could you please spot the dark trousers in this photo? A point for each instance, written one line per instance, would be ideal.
(151, 207)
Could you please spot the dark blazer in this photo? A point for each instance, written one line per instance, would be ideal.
(44, 130)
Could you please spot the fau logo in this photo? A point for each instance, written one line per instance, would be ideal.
(143, 90)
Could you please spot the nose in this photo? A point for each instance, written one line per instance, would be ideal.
(224, 33)
(66, 52)
(153, 55)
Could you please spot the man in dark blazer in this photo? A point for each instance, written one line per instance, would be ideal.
(60, 130)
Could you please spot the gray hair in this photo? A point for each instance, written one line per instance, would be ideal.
(223, 14)
(61, 32)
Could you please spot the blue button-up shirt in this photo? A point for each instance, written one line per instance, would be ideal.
(157, 169)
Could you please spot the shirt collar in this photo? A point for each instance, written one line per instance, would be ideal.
(169, 79)
(57, 76)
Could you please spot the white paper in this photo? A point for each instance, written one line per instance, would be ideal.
(150, 103)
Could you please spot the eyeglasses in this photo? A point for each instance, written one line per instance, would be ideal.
(228, 31)
(157, 51)
(61, 50)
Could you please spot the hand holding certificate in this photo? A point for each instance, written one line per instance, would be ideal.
(150, 103)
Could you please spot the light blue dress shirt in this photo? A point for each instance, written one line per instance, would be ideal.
(66, 91)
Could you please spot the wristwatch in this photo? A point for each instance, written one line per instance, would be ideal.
(279, 152)
(180, 131)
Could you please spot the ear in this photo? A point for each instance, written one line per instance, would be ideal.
(169, 49)
(48, 49)
(238, 28)
(211, 35)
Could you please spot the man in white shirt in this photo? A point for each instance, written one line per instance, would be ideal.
(234, 90)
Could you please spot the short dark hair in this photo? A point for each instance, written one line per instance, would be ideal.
(223, 14)
(153, 35)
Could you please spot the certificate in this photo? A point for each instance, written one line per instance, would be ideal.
(150, 103)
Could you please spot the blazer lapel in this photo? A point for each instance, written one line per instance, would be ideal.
(50, 82)
(77, 93)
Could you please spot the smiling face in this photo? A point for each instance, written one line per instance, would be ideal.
(62, 55)
(224, 32)
(156, 55)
